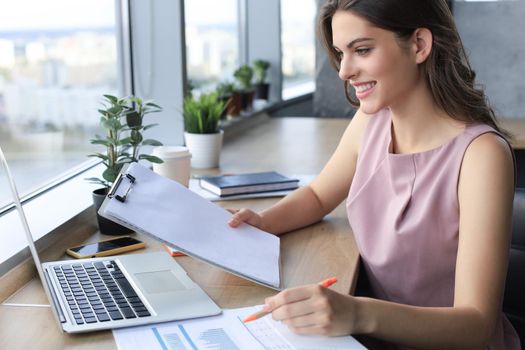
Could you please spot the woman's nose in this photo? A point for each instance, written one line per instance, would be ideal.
(346, 69)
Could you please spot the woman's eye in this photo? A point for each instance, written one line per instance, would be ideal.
(362, 51)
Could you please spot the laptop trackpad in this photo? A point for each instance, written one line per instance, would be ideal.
(159, 282)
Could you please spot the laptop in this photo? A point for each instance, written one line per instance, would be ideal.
(112, 292)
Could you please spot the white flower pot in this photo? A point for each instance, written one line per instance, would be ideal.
(205, 149)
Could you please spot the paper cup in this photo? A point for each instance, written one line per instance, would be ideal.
(177, 163)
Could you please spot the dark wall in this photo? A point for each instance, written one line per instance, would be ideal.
(494, 35)
(329, 99)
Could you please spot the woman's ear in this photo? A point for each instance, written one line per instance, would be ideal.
(422, 40)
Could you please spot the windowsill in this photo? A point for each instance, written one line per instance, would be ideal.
(298, 90)
(44, 213)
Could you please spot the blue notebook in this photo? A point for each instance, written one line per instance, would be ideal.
(227, 185)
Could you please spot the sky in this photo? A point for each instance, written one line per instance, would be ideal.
(49, 14)
(225, 11)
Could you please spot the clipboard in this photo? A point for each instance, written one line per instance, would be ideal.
(171, 213)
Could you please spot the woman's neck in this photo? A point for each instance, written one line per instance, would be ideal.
(418, 124)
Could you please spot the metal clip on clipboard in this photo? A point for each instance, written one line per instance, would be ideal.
(113, 189)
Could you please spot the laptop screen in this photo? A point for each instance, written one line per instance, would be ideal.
(29, 237)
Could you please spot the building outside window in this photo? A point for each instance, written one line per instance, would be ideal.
(212, 41)
(298, 46)
(57, 58)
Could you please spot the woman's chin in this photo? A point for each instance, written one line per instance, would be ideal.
(369, 108)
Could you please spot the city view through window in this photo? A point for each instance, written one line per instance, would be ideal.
(298, 46)
(212, 41)
(57, 59)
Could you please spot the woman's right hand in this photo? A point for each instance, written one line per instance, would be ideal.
(245, 215)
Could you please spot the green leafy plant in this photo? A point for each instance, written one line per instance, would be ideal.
(244, 75)
(202, 114)
(260, 68)
(225, 88)
(122, 120)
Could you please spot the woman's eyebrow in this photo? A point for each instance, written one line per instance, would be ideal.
(353, 42)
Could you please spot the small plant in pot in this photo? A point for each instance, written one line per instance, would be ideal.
(231, 99)
(244, 75)
(122, 120)
(202, 133)
(262, 88)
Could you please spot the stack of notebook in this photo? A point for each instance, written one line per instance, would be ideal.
(227, 185)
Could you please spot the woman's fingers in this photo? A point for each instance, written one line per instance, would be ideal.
(245, 216)
(292, 302)
(312, 309)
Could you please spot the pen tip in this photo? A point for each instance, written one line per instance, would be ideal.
(249, 319)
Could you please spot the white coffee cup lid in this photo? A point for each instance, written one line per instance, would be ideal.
(171, 152)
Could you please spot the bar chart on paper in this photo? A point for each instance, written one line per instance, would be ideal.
(226, 332)
(212, 338)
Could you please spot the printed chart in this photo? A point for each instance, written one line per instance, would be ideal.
(226, 332)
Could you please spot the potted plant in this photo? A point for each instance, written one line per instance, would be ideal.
(122, 121)
(244, 75)
(230, 97)
(262, 88)
(202, 134)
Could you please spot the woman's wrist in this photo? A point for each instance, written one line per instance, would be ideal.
(365, 321)
(264, 223)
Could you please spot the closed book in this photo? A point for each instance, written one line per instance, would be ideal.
(227, 185)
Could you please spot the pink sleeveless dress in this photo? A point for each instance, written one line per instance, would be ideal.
(404, 212)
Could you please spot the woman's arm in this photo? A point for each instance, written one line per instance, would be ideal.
(485, 193)
(311, 203)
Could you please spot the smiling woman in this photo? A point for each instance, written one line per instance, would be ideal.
(428, 181)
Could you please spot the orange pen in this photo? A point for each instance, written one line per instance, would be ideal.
(326, 283)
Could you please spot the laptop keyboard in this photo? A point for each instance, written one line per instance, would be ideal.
(99, 292)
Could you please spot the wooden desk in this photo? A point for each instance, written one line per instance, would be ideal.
(288, 145)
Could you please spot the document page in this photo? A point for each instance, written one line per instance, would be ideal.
(226, 332)
(178, 217)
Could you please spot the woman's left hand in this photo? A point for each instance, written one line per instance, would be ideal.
(314, 309)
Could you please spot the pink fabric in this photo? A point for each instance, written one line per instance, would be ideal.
(403, 209)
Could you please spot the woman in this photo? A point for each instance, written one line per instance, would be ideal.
(428, 179)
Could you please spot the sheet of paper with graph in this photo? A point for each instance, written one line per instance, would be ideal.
(226, 332)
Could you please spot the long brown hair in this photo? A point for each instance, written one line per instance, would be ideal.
(447, 69)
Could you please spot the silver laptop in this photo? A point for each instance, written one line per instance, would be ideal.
(111, 292)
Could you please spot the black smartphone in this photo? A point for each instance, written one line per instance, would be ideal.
(105, 248)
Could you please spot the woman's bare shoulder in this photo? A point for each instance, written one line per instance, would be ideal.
(356, 129)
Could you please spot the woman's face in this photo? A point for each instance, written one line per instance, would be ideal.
(372, 60)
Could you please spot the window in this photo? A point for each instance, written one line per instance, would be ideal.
(57, 58)
(212, 41)
(298, 46)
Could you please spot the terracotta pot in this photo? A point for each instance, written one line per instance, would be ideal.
(247, 100)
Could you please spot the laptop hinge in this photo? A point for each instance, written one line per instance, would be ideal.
(54, 297)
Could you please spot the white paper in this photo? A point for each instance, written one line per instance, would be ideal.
(172, 213)
(226, 332)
